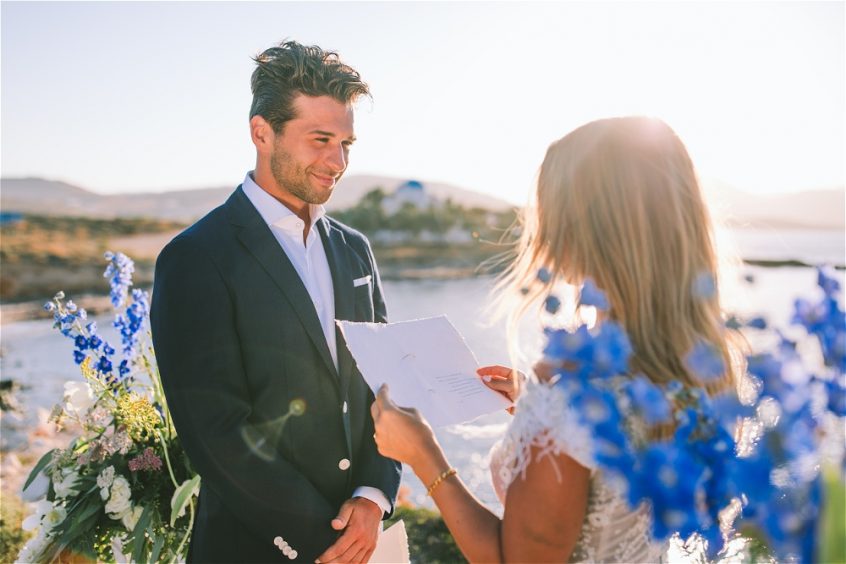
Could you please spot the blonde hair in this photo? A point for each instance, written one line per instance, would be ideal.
(618, 201)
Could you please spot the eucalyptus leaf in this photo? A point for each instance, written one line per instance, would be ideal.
(80, 521)
(44, 461)
(138, 533)
(158, 543)
(181, 497)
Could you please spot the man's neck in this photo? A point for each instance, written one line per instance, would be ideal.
(301, 209)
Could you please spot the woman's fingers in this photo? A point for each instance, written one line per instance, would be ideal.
(543, 370)
(496, 370)
(504, 386)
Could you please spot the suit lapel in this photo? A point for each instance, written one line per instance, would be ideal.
(337, 255)
(260, 242)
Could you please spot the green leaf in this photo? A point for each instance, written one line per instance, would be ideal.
(91, 506)
(182, 496)
(138, 533)
(81, 521)
(831, 543)
(158, 543)
(45, 460)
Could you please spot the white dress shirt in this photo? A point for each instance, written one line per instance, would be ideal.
(309, 260)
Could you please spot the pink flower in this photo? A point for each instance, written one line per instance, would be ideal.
(147, 460)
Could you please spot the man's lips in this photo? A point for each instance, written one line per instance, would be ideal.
(324, 179)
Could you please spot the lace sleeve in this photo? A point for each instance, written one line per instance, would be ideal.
(544, 420)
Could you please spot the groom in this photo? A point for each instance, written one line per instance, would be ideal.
(268, 403)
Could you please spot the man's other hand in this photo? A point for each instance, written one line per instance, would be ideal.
(360, 519)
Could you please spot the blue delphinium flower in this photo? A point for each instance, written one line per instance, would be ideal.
(733, 323)
(94, 341)
(704, 286)
(648, 400)
(591, 295)
(544, 275)
(705, 361)
(669, 477)
(690, 479)
(836, 389)
(825, 320)
(552, 304)
(757, 323)
(602, 353)
(569, 347)
(119, 272)
(728, 409)
(611, 350)
(827, 281)
(81, 342)
(104, 365)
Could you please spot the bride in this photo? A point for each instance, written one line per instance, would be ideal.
(617, 202)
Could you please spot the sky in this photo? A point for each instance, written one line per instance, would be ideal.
(150, 96)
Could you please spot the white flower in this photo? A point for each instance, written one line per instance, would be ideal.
(32, 550)
(130, 519)
(104, 493)
(37, 489)
(34, 520)
(106, 477)
(47, 515)
(119, 501)
(117, 548)
(65, 486)
(78, 397)
(54, 517)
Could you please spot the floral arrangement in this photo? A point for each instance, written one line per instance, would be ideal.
(755, 460)
(123, 489)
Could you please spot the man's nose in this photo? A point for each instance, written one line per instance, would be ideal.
(337, 160)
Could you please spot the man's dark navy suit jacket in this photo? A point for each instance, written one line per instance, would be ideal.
(238, 340)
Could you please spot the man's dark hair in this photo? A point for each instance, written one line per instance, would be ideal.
(289, 69)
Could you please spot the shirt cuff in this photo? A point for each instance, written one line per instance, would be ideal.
(375, 495)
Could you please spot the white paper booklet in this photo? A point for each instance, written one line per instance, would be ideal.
(392, 546)
(426, 364)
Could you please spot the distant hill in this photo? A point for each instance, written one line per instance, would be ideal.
(821, 209)
(815, 209)
(48, 197)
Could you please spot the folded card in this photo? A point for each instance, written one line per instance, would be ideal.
(426, 364)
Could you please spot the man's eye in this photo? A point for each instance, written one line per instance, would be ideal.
(322, 139)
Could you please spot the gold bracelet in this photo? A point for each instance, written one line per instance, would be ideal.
(444, 475)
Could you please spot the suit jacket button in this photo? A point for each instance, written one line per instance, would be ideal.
(292, 555)
(344, 464)
(286, 550)
(278, 541)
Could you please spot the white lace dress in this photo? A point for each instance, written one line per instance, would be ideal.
(611, 531)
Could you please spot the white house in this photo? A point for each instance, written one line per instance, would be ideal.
(410, 192)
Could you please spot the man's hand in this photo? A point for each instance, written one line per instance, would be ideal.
(360, 520)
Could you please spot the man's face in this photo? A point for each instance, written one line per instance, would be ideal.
(311, 152)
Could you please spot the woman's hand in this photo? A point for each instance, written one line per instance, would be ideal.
(543, 370)
(401, 433)
(506, 381)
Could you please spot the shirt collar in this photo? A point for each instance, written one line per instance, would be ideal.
(274, 212)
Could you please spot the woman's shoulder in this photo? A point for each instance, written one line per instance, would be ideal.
(544, 423)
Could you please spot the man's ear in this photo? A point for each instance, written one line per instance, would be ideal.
(262, 135)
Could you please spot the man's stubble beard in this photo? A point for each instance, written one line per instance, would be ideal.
(292, 177)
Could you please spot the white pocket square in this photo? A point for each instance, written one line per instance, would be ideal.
(361, 281)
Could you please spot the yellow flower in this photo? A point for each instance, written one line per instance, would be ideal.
(138, 416)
